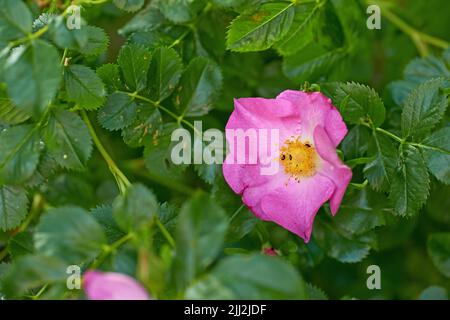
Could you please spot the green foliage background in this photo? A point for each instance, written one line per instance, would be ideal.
(85, 123)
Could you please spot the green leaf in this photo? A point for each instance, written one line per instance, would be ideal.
(410, 183)
(439, 250)
(15, 20)
(110, 75)
(33, 74)
(355, 143)
(165, 72)
(312, 62)
(179, 11)
(119, 112)
(246, 277)
(70, 234)
(21, 244)
(68, 140)
(97, 41)
(379, 171)
(199, 237)
(438, 156)
(147, 124)
(104, 216)
(301, 33)
(200, 85)
(33, 271)
(129, 5)
(360, 103)
(261, 29)
(147, 19)
(9, 113)
(134, 61)
(84, 87)
(423, 108)
(19, 153)
(13, 206)
(135, 209)
(315, 293)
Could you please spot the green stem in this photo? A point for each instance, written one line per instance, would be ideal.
(36, 208)
(122, 181)
(165, 232)
(4, 253)
(391, 135)
(107, 250)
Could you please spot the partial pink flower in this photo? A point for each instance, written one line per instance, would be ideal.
(112, 286)
(310, 171)
(269, 251)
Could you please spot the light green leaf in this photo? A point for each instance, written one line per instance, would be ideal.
(68, 140)
(410, 183)
(70, 234)
(9, 113)
(33, 74)
(437, 154)
(201, 230)
(261, 29)
(379, 171)
(134, 61)
(13, 206)
(423, 108)
(15, 20)
(301, 32)
(135, 209)
(439, 250)
(179, 11)
(165, 72)
(19, 154)
(129, 5)
(119, 112)
(360, 103)
(245, 277)
(200, 85)
(84, 87)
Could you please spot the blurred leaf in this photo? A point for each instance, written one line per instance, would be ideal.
(135, 209)
(21, 244)
(179, 11)
(355, 143)
(434, 293)
(129, 5)
(19, 153)
(439, 250)
(200, 233)
(245, 277)
(33, 74)
(13, 206)
(15, 20)
(9, 113)
(104, 216)
(70, 234)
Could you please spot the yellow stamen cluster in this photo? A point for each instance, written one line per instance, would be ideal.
(298, 158)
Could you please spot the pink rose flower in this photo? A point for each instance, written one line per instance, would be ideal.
(310, 171)
(112, 286)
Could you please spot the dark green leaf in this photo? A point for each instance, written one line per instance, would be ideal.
(70, 234)
(68, 140)
(119, 112)
(110, 75)
(134, 61)
(200, 84)
(19, 153)
(21, 244)
(147, 124)
(129, 5)
(13, 206)
(439, 251)
(437, 154)
(135, 209)
(84, 87)
(9, 113)
(179, 11)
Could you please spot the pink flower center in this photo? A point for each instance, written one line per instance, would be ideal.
(298, 158)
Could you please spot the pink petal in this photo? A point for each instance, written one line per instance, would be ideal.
(294, 206)
(332, 167)
(112, 286)
(316, 109)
